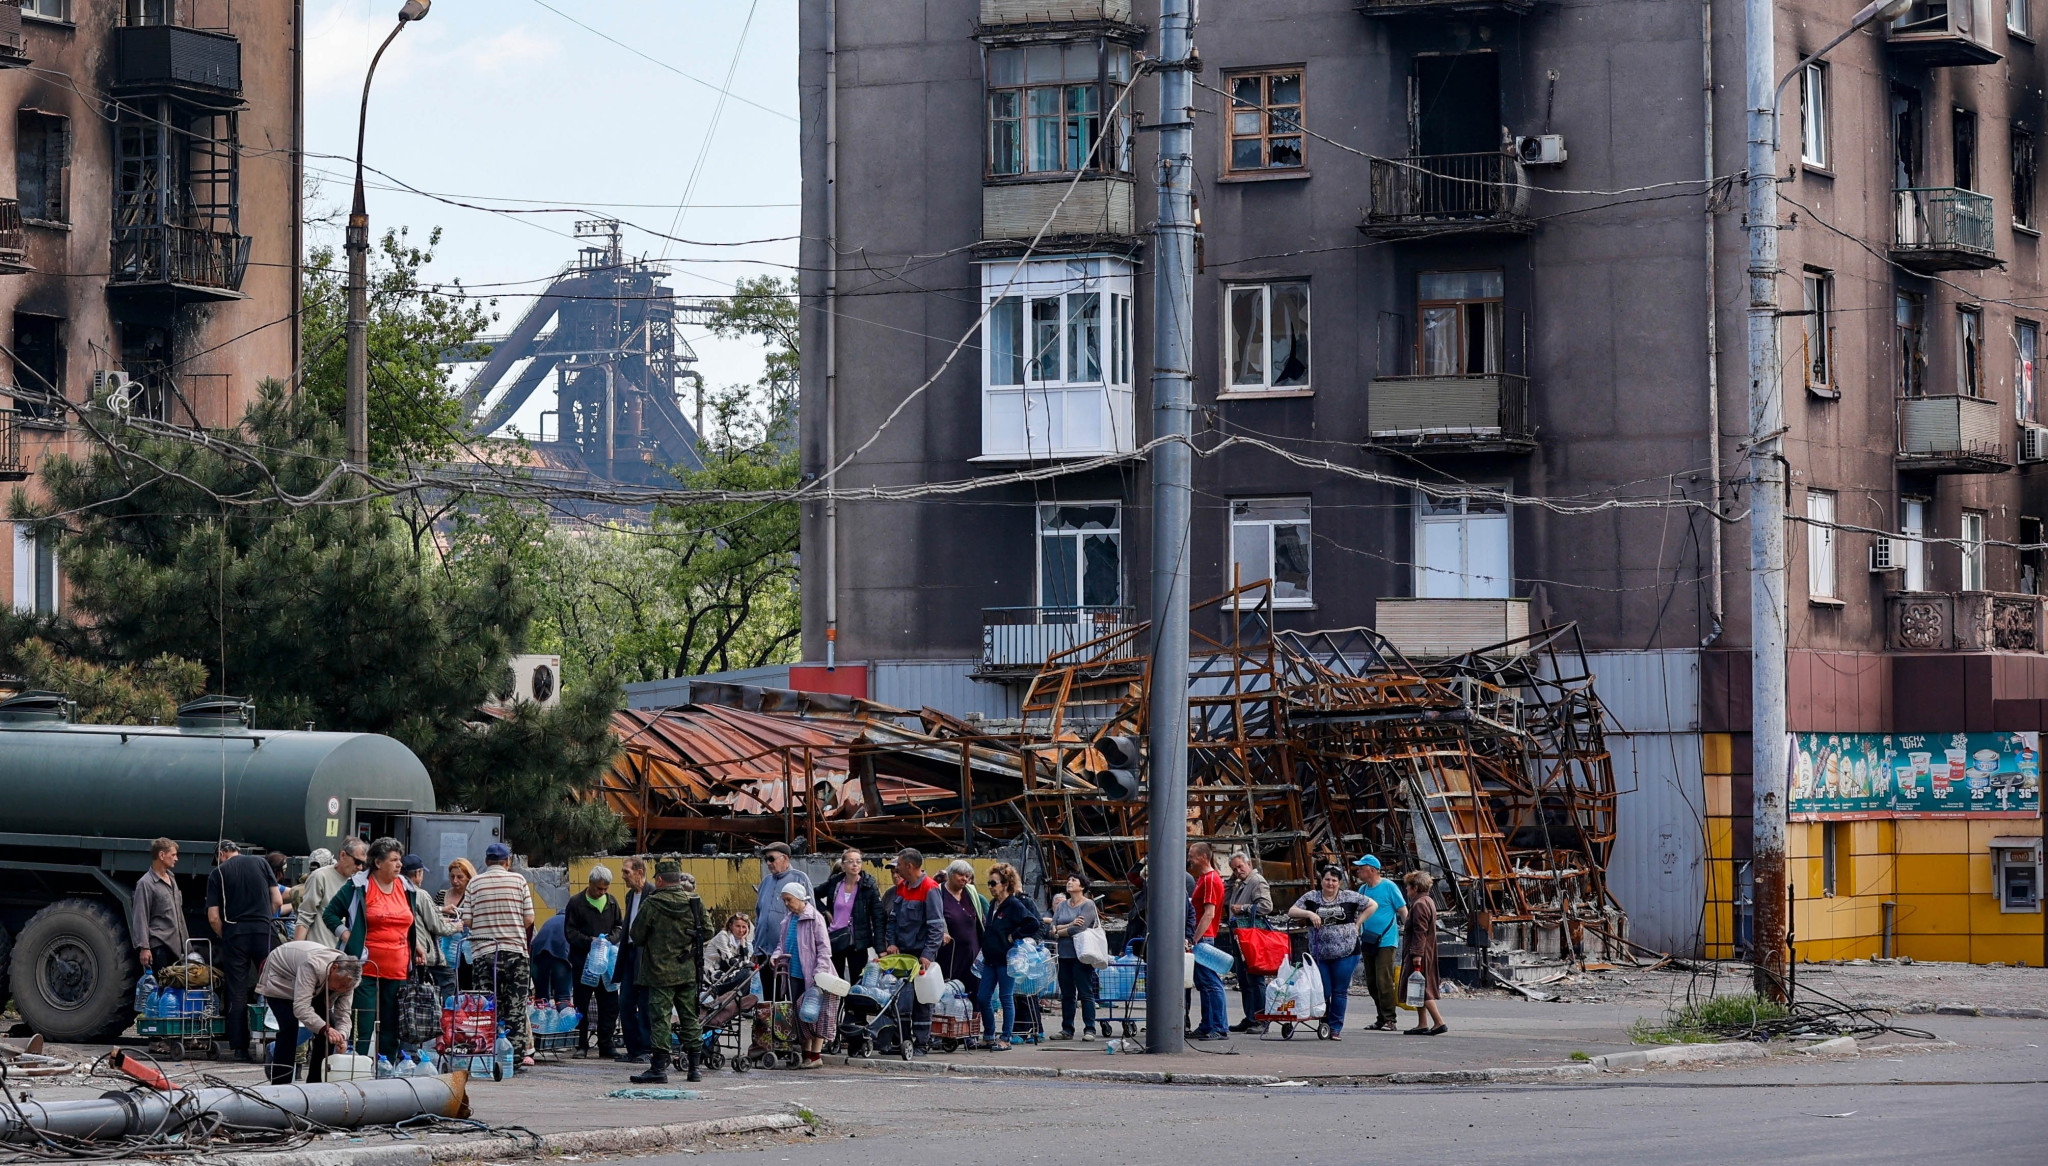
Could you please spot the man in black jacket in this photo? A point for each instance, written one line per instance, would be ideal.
(852, 906)
(632, 994)
(589, 915)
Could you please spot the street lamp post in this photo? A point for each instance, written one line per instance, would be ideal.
(1767, 614)
(355, 410)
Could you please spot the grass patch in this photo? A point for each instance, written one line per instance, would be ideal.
(810, 1119)
(1578, 1055)
(1706, 1021)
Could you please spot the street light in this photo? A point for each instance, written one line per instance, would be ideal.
(355, 410)
(1767, 485)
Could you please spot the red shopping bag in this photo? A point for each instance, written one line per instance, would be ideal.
(1264, 951)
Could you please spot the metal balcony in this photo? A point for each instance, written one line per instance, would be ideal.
(12, 467)
(1445, 194)
(1938, 33)
(13, 238)
(1962, 621)
(1445, 7)
(1952, 435)
(192, 64)
(1017, 641)
(1944, 228)
(184, 263)
(1479, 413)
(13, 45)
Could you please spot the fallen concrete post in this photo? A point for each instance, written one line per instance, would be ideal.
(349, 1105)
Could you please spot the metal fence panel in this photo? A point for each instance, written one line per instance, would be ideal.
(1658, 869)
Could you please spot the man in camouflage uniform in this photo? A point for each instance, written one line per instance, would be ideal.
(670, 932)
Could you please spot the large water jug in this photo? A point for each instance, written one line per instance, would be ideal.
(1213, 958)
(349, 1067)
(567, 1018)
(144, 989)
(812, 1006)
(545, 1018)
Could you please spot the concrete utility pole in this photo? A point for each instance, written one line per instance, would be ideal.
(1173, 314)
(1768, 490)
(355, 406)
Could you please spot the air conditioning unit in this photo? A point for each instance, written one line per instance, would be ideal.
(114, 389)
(2033, 443)
(1887, 554)
(1541, 150)
(532, 679)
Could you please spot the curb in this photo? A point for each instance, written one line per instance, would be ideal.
(1923, 1008)
(1126, 1076)
(630, 1139)
(1487, 1076)
(1681, 1055)
(1841, 1046)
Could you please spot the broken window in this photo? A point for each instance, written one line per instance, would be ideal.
(1909, 327)
(1813, 115)
(42, 165)
(1462, 548)
(1265, 120)
(1046, 105)
(1458, 317)
(1965, 149)
(1819, 323)
(2030, 555)
(1268, 332)
(1269, 539)
(2026, 338)
(39, 366)
(2024, 174)
(1080, 555)
(1820, 544)
(1970, 351)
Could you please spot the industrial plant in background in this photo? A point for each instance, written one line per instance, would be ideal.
(604, 333)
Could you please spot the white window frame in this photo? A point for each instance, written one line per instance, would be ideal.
(1813, 115)
(1262, 294)
(1032, 411)
(1047, 513)
(38, 578)
(1913, 529)
(1973, 576)
(1821, 575)
(2026, 361)
(2019, 18)
(1817, 286)
(1249, 524)
(1464, 579)
(60, 14)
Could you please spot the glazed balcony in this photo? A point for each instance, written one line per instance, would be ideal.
(1448, 194)
(1952, 435)
(1478, 413)
(1941, 33)
(1944, 228)
(198, 65)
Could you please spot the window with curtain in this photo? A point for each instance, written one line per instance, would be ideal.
(1909, 335)
(1046, 105)
(1459, 316)
(2024, 176)
(1269, 539)
(2026, 339)
(1970, 351)
(1268, 334)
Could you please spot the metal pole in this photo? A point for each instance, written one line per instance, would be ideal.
(1173, 311)
(831, 333)
(342, 1105)
(355, 409)
(1767, 509)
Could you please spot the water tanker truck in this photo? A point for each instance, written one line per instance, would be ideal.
(80, 805)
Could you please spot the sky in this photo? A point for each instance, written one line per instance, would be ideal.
(510, 105)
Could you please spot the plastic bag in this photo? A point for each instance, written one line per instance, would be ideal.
(1264, 951)
(1032, 968)
(1091, 947)
(1296, 991)
(597, 966)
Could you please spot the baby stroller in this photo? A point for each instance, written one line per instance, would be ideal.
(721, 1007)
(876, 1015)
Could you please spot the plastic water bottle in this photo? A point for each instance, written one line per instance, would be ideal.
(144, 989)
(404, 1068)
(384, 1068)
(507, 1060)
(566, 1017)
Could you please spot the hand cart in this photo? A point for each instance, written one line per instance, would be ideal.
(469, 1035)
(1120, 992)
(1289, 1019)
(778, 1042)
(185, 1017)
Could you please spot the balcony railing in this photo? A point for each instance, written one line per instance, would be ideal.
(1482, 411)
(12, 467)
(193, 63)
(1936, 33)
(1022, 638)
(1962, 621)
(13, 45)
(1446, 193)
(204, 264)
(1944, 228)
(1952, 435)
(1445, 7)
(1423, 627)
(13, 238)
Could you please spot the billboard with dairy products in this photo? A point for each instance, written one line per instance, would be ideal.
(1910, 775)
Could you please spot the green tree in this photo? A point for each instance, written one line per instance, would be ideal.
(415, 414)
(323, 613)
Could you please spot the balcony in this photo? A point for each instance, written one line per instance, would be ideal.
(1448, 194)
(13, 46)
(193, 64)
(1445, 7)
(1935, 34)
(1010, 13)
(13, 239)
(12, 467)
(1484, 413)
(1097, 208)
(1951, 435)
(184, 263)
(1450, 627)
(1943, 228)
(1017, 641)
(1962, 621)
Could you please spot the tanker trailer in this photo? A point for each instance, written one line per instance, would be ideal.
(80, 804)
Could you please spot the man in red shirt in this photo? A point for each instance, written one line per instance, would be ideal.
(1209, 895)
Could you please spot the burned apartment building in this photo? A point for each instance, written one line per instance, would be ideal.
(149, 250)
(1483, 242)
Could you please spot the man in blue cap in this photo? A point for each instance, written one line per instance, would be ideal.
(1379, 938)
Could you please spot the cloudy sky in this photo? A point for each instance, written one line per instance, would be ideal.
(547, 111)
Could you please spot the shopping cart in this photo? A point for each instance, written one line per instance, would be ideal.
(1291, 1013)
(469, 1034)
(1120, 991)
(778, 1042)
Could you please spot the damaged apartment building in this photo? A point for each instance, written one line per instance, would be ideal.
(149, 247)
(1468, 351)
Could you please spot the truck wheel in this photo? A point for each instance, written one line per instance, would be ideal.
(72, 972)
